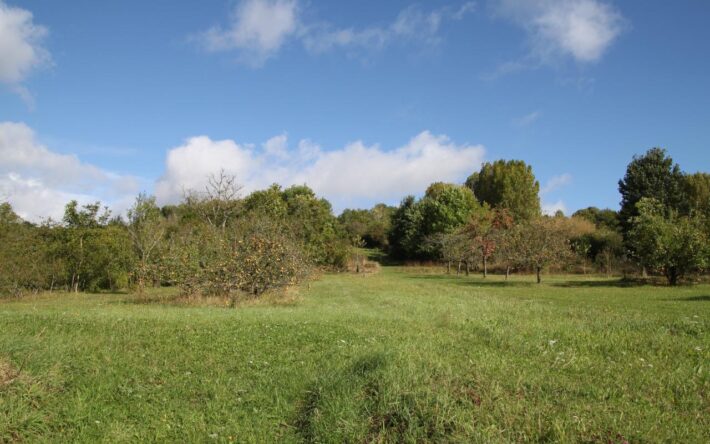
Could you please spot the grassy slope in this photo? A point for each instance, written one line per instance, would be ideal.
(398, 356)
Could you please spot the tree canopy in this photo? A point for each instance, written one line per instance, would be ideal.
(653, 175)
(507, 184)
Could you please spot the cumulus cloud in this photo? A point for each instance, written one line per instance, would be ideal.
(21, 50)
(357, 174)
(556, 182)
(257, 29)
(38, 181)
(581, 29)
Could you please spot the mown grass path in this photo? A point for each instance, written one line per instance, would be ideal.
(403, 355)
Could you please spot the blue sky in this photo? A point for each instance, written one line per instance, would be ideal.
(365, 101)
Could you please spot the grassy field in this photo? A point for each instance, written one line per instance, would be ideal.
(401, 356)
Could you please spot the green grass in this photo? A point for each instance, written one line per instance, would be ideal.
(403, 355)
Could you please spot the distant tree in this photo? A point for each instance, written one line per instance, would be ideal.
(357, 244)
(8, 215)
(510, 185)
(405, 236)
(454, 247)
(664, 241)
(82, 224)
(310, 220)
(146, 227)
(605, 218)
(355, 222)
(542, 242)
(444, 208)
(698, 193)
(580, 233)
(370, 225)
(486, 230)
(269, 202)
(509, 246)
(653, 175)
(381, 221)
(22, 254)
(219, 203)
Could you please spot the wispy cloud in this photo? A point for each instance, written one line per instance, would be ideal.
(258, 29)
(21, 50)
(556, 182)
(557, 30)
(581, 29)
(527, 119)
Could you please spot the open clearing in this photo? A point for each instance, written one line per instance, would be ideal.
(403, 355)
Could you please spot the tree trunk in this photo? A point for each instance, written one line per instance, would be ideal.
(468, 268)
(672, 276)
(458, 269)
(485, 266)
(644, 273)
(538, 269)
(507, 272)
(448, 267)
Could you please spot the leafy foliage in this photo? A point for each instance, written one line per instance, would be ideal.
(672, 244)
(443, 209)
(542, 242)
(698, 194)
(508, 184)
(653, 175)
(371, 225)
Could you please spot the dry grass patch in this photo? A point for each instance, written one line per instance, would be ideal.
(8, 372)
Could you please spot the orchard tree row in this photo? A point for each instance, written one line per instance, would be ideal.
(217, 242)
(213, 243)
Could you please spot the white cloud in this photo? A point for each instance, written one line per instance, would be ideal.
(38, 181)
(259, 28)
(556, 182)
(277, 146)
(581, 29)
(356, 174)
(527, 119)
(551, 208)
(21, 50)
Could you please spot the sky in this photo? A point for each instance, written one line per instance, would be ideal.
(364, 101)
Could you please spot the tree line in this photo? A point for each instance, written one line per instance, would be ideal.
(217, 242)
(214, 242)
(494, 220)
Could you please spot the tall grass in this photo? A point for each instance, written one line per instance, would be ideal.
(398, 356)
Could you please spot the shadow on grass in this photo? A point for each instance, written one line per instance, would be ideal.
(704, 298)
(472, 281)
(617, 283)
(477, 281)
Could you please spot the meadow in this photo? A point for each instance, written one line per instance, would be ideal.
(404, 355)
